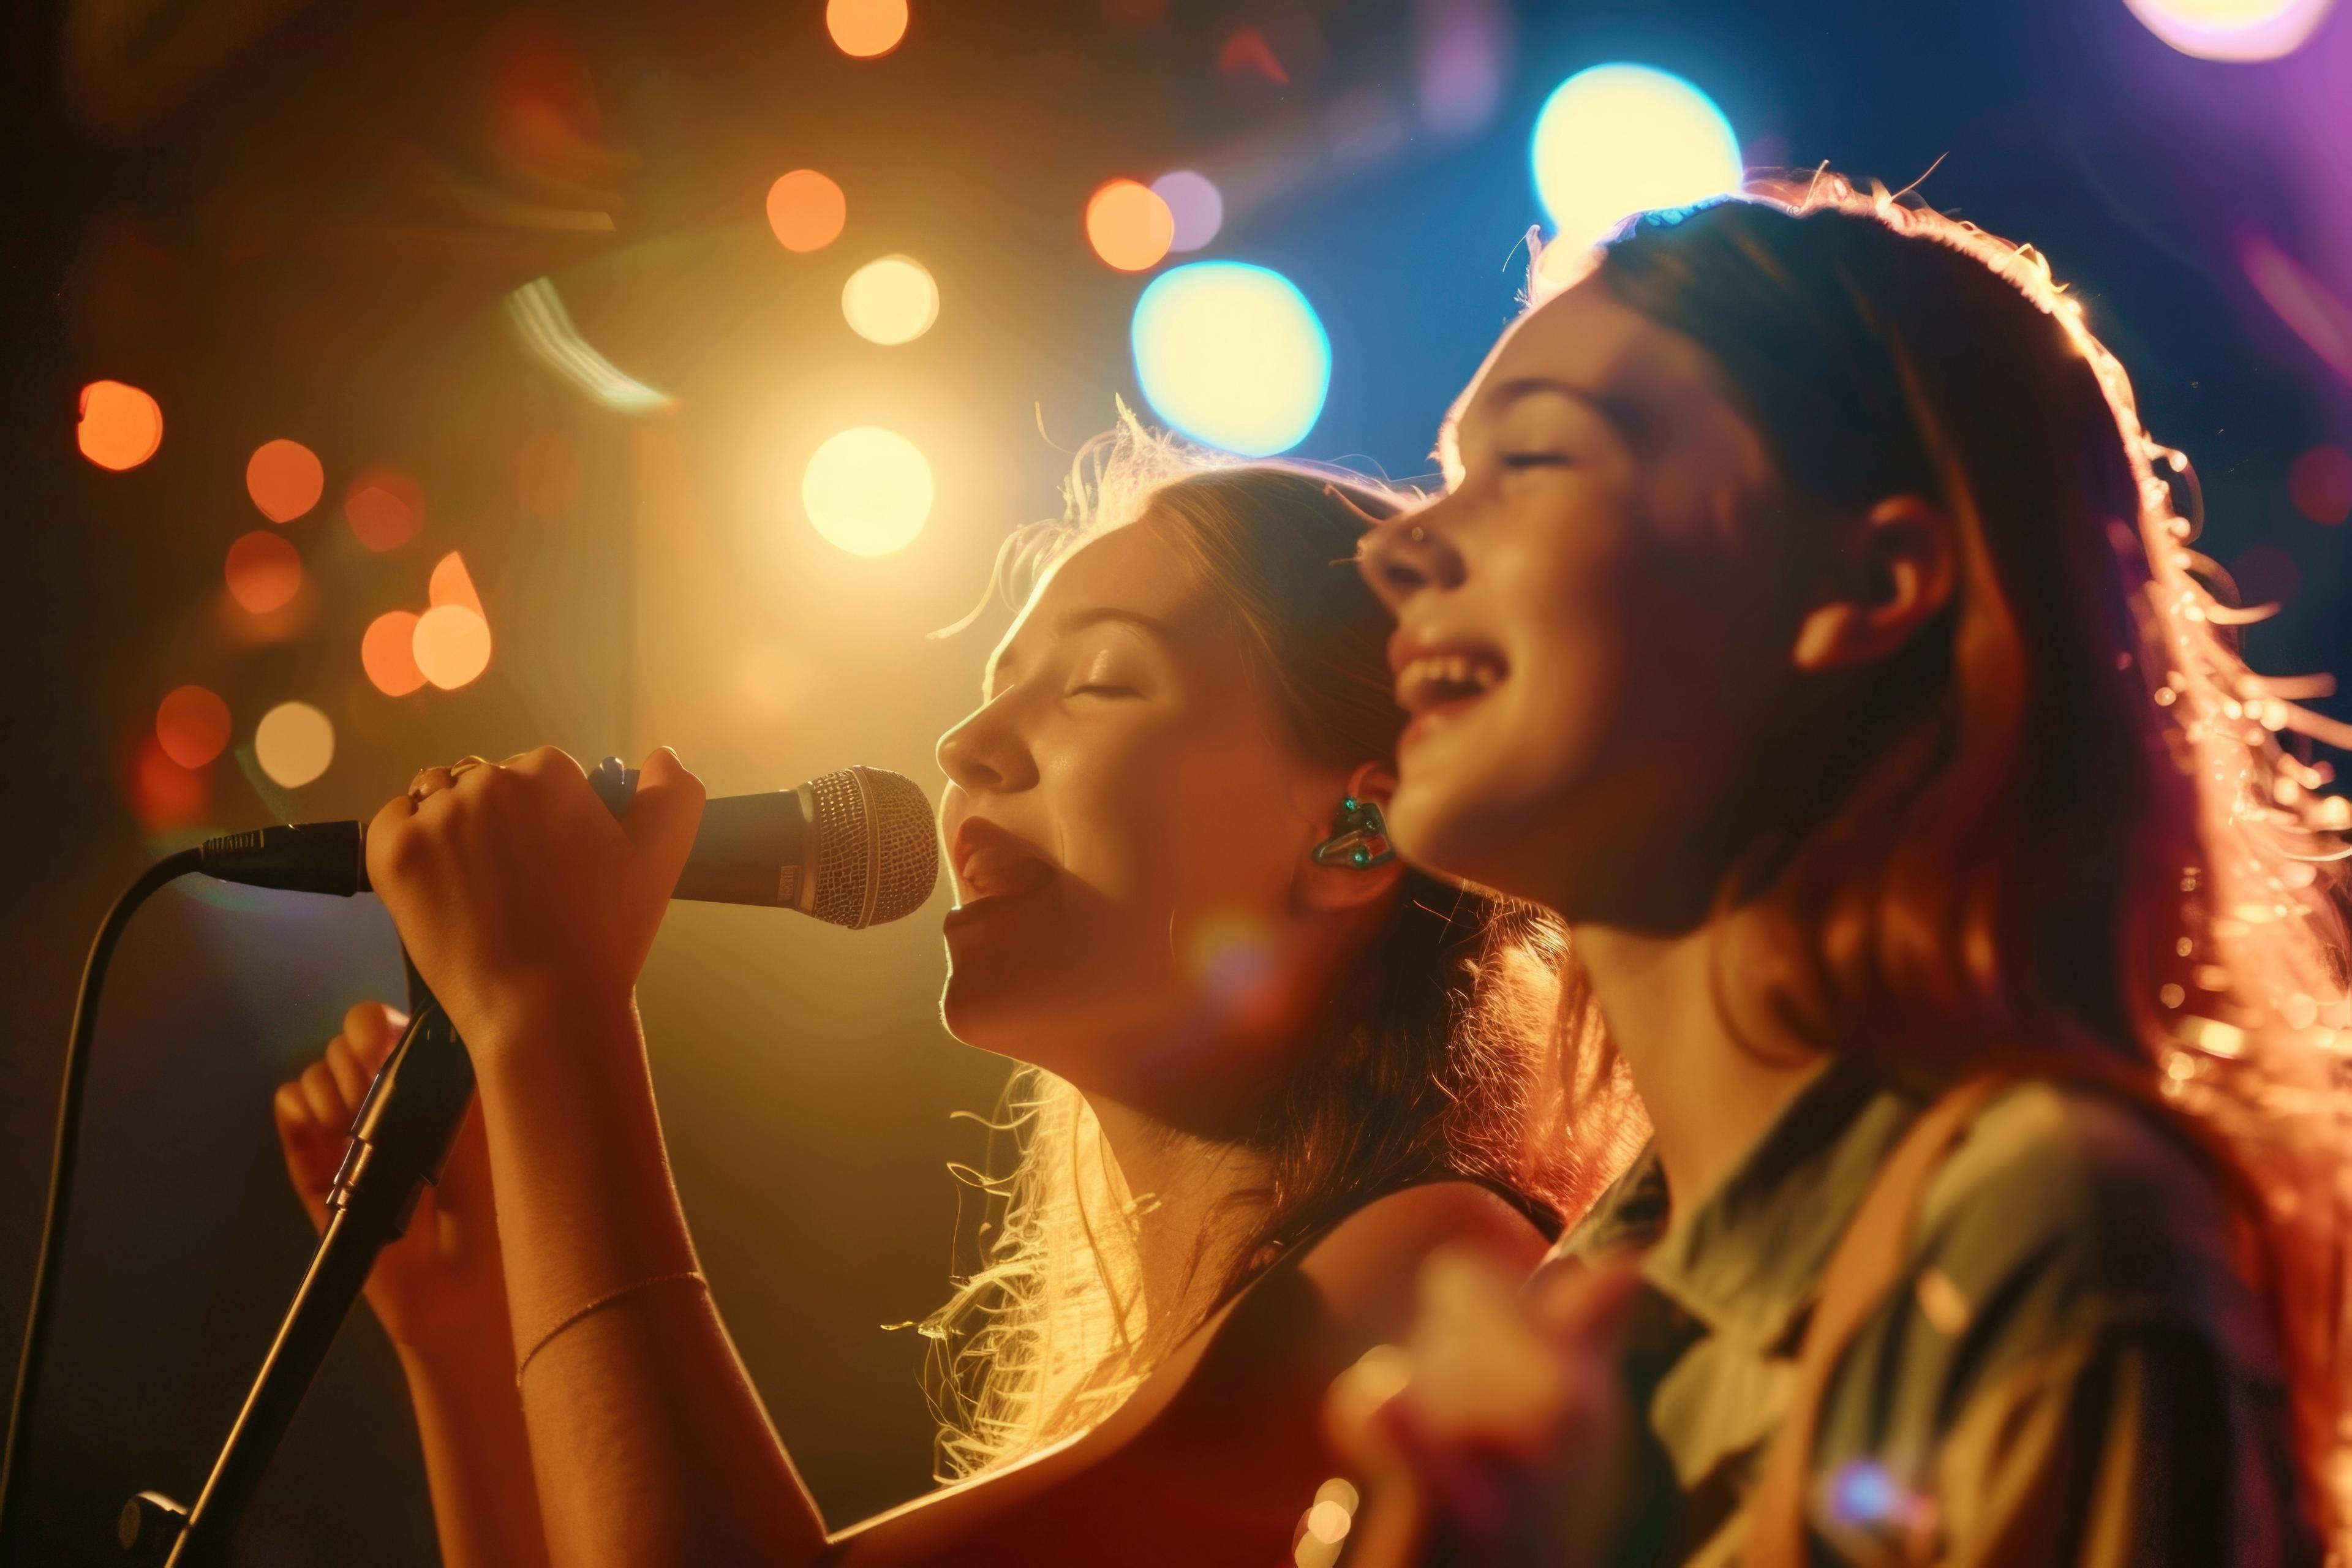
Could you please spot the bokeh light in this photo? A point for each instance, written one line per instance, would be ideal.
(2233, 29)
(388, 653)
(294, 743)
(452, 585)
(1232, 355)
(191, 725)
(1196, 207)
(384, 507)
(284, 479)
(806, 210)
(1129, 225)
(892, 301)
(866, 28)
(121, 425)
(1621, 138)
(264, 572)
(162, 792)
(868, 490)
(451, 645)
(2320, 484)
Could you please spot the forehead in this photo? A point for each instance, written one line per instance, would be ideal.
(1134, 569)
(1588, 339)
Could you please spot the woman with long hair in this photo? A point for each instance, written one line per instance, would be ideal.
(1269, 1068)
(1811, 623)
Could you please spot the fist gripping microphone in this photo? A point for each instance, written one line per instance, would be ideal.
(854, 848)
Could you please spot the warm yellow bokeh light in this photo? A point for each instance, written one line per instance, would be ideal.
(285, 479)
(864, 28)
(451, 645)
(1130, 225)
(892, 301)
(294, 743)
(868, 490)
(121, 425)
(1616, 140)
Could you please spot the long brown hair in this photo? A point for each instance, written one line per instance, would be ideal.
(2071, 840)
(1431, 1052)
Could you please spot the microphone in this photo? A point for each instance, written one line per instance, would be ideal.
(852, 849)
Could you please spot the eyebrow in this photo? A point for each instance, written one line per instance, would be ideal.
(1618, 410)
(1078, 621)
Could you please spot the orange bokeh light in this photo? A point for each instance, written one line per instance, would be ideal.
(191, 725)
(1130, 225)
(452, 645)
(806, 210)
(284, 479)
(263, 574)
(864, 28)
(162, 792)
(384, 507)
(388, 655)
(121, 425)
(452, 585)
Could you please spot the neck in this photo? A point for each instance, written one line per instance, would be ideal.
(1709, 1094)
(1189, 1226)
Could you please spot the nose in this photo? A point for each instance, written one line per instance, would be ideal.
(986, 752)
(1406, 555)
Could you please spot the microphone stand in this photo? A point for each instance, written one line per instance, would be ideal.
(403, 1131)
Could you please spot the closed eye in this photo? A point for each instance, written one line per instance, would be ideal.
(1536, 459)
(1099, 690)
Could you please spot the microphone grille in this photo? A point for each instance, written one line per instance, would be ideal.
(876, 855)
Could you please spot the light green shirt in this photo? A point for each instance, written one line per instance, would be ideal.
(2072, 1368)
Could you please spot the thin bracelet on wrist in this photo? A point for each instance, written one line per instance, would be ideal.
(600, 1302)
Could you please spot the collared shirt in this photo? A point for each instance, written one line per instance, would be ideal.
(2071, 1369)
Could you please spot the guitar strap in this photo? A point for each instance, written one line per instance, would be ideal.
(1869, 1258)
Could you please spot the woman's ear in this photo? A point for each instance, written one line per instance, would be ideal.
(1343, 884)
(1899, 571)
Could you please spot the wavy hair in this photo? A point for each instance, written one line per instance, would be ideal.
(2071, 837)
(1434, 1045)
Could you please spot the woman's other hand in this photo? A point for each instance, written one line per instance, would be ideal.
(1498, 1431)
(523, 901)
(438, 1289)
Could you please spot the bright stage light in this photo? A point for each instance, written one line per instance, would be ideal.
(862, 29)
(1195, 204)
(294, 743)
(2236, 30)
(892, 301)
(191, 725)
(284, 479)
(868, 490)
(806, 210)
(121, 425)
(1231, 355)
(1129, 225)
(451, 645)
(1621, 138)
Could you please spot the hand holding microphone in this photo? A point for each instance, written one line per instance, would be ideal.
(521, 895)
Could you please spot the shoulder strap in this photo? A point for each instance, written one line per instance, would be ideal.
(1869, 1258)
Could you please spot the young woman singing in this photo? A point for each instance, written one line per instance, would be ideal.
(1271, 1070)
(1808, 623)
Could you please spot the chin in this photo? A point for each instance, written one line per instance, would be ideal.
(1457, 829)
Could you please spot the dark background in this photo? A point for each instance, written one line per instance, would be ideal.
(299, 221)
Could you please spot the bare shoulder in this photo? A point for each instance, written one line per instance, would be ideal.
(1364, 1267)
